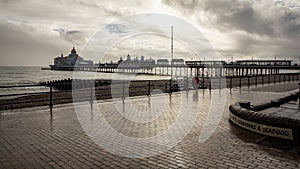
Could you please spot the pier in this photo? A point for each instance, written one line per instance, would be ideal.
(175, 67)
(202, 68)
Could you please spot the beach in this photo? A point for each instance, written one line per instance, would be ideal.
(115, 90)
(141, 87)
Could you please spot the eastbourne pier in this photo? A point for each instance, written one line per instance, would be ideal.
(179, 67)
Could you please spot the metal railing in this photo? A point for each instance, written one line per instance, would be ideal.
(88, 91)
(82, 91)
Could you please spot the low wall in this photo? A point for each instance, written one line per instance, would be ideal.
(266, 124)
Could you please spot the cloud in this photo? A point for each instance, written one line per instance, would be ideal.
(20, 47)
(153, 46)
(116, 28)
(57, 25)
(240, 28)
(257, 28)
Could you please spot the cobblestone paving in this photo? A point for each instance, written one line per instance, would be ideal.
(30, 138)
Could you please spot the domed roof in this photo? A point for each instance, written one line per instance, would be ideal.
(73, 51)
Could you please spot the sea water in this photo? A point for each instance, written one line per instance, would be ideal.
(18, 76)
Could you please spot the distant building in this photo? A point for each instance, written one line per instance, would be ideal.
(73, 59)
(213, 62)
(136, 63)
(177, 62)
(205, 63)
(162, 62)
(193, 63)
(265, 62)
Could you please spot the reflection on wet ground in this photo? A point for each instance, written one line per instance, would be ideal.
(30, 138)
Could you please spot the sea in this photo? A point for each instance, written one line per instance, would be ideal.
(18, 76)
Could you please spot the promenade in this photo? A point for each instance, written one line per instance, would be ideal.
(30, 138)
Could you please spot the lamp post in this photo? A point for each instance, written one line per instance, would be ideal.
(299, 96)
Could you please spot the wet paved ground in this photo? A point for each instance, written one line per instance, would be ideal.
(290, 110)
(30, 138)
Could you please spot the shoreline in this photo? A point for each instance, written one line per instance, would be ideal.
(134, 88)
(137, 88)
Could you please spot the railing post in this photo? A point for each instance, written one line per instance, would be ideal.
(279, 78)
(293, 77)
(187, 84)
(123, 91)
(91, 95)
(255, 80)
(50, 100)
(149, 88)
(170, 87)
(203, 81)
(248, 82)
(240, 84)
(230, 83)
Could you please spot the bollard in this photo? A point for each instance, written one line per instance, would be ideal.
(245, 104)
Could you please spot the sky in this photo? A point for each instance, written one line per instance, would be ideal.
(34, 32)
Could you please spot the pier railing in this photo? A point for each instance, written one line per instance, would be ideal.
(68, 91)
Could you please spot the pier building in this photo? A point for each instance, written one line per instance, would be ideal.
(71, 61)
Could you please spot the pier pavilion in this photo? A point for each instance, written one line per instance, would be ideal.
(72, 62)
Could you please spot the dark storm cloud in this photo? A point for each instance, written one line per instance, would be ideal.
(20, 47)
(241, 15)
(45, 28)
(234, 27)
(291, 23)
(255, 26)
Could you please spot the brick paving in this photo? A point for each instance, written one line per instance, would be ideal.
(290, 110)
(30, 138)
